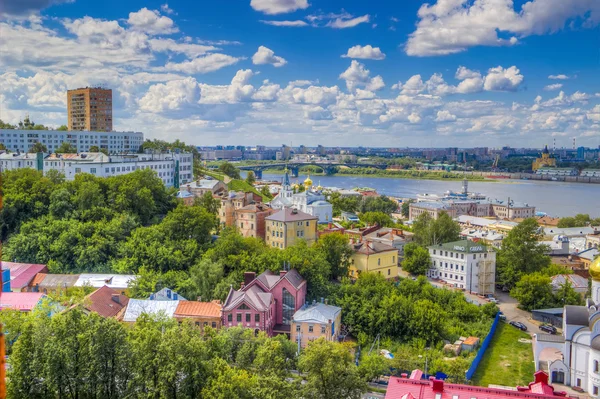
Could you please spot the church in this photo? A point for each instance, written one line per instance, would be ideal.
(547, 160)
(574, 358)
(308, 201)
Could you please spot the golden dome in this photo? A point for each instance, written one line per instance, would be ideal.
(308, 182)
(595, 269)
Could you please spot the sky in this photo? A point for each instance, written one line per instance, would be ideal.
(461, 73)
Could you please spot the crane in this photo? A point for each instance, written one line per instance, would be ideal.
(495, 164)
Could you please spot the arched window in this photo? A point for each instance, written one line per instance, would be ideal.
(595, 366)
(289, 306)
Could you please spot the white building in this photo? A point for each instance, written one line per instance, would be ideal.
(308, 201)
(574, 358)
(174, 169)
(115, 142)
(464, 264)
(18, 160)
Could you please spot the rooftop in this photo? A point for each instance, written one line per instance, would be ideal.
(290, 215)
(54, 281)
(464, 246)
(24, 301)
(99, 280)
(318, 313)
(106, 301)
(197, 309)
(372, 247)
(21, 274)
(136, 307)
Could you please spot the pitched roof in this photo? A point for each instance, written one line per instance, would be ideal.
(269, 279)
(318, 313)
(255, 208)
(99, 280)
(24, 301)
(166, 294)
(21, 274)
(54, 281)
(576, 281)
(290, 215)
(197, 309)
(253, 296)
(136, 307)
(372, 247)
(105, 301)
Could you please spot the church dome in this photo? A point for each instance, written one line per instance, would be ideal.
(595, 269)
(545, 151)
(308, 182)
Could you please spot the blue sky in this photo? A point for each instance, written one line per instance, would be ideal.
(380, 73)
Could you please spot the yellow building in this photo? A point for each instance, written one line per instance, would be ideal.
(316, 321)
(288, 226)
(374, 257)
(90, 109)
(545, 161)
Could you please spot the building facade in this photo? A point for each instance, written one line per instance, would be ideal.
(202, 314)
(234, 201)
(464, 264)
(373, 257)
(250, 220)
(114, 142)
(288, 226)
(90, 109)
(315, 321)
(544, 161)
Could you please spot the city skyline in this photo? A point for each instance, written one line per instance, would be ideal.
(450, 73)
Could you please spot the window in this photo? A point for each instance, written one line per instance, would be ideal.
(389, 271)
(213, 324)
(393, 259)
(595, 366)
(323, 329)
(578, 382)
(243, 306)
(379, 262)
(229, 317)
(298, 328)
(289, 306)
(93, 171)
(77, 170)
(307, 224)
(257, 318)
(239, 317)
(434, 251)
(595, 390)
(247, 317)
(310, 329)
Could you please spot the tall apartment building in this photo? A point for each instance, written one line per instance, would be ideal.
(90, 109)
(114, 142)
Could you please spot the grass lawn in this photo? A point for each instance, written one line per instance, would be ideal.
(507, 361)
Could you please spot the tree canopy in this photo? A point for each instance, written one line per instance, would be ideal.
(66, 148)
(428, 231)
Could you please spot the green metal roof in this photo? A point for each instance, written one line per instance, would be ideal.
(464, 246)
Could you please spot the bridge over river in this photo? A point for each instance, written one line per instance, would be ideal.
(294, 167)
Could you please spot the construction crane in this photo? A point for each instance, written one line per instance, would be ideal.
(495, 164)
(2, 344)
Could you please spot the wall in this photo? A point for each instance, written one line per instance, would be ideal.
(484, 346)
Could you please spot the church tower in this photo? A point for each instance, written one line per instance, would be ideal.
(595, 274)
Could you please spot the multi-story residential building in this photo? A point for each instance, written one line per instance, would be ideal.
(90, 109)
(173, 168)
(288, 226)
(18, 160)
(434, 209)
(266, 302)
(557, 171)
(200, 187)
(218, 155)
(315, 321)
(464, 264)
(472, 207)
(392, 237)
(232, 202)
(373, 257)
(250, 220)
(114, 142)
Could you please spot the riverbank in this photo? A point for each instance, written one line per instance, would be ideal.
(405, 174)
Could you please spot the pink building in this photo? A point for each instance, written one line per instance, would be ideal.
(266, 302)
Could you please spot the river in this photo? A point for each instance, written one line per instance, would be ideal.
(553, 198)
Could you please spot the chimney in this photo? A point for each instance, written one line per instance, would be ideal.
(437, 385)
(115, 298)
(282, 273)
(249, 277)
(404, 375)
(329, 225)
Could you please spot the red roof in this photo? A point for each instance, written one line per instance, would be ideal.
(105, 301)
(21, 274)
(399, 388)
(197, 309)
(24, 301)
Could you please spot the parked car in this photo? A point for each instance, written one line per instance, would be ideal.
(548, 329)
(502, 316)
(493, 300)
(520, 326)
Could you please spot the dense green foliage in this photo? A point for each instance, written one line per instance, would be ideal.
(230, 170)
(429, 231)
(579, 220)
(66, 148)
(533, 291)
(74, 355)
(38, 147)
(416, 259)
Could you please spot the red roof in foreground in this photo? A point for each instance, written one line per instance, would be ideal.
(24, 301)
(406, 388)
(105, 301)
(21, 274)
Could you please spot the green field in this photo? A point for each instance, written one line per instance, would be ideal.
(507, 361)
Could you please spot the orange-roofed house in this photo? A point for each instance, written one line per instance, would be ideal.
(201, 313)
(105, 301)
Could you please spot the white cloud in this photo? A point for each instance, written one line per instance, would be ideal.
(343, 23)
(358, 76)
(414, 118)
(293, 24)
(172, 96)
(265, 55)
(166, 9)
(453, 26)
(151, 22)
(273, 7)
(191, 50)
(365, 52)
(317, 113)
(553, 87)
(558, 77)
(471, 81)
(267, 92)
(500, 79)
(413, 86)
(208, 63)
(445, 116)
(594, 114)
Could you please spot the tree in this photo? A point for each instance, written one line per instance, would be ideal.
(521, 253)
(533, 291)
(579, 220)
(228, 169)
(331, 371)
(208, 202)
(343, 204)
(425, 321)
(372, 366)
(265, 192)
(406, 208)
(95, 148)
(416, 259)
(429, 231)
(378, 204)
(2, 146)
(337, 252)
(250, 178)
(63, 128)
(566, 295)
(376, 218)
(66, 148)
(38, 147)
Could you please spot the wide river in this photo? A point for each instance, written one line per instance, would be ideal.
(553, 198)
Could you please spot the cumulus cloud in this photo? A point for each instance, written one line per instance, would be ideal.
(365, 52)
(265, 55)
(453, 26)
(413, 86)
(208, 63)
(151, 22)
(553, 87)
(358, 76)
(558, 77)
(445, 116)
(166, 9)
(273, 7)
(293, 24)
(500, 79)
(414, 118)
(171, 96)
